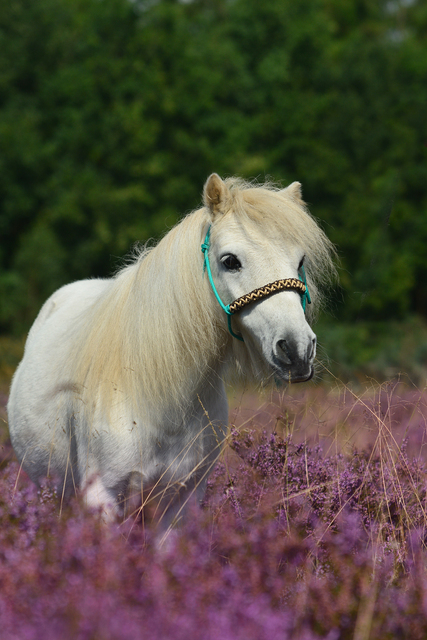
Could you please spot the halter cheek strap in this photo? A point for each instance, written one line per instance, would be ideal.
(289, 284)
(207, 267)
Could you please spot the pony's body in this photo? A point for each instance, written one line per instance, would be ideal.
(120, 391)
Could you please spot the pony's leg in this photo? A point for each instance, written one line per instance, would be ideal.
(133, 498)
(162, 506)
(175, 507)
(97, 497)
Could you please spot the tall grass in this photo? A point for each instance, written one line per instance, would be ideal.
(313, 526)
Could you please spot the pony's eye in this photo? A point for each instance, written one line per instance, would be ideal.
(301, 263)
(231, 262)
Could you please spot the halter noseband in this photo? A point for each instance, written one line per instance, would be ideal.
(289, 284)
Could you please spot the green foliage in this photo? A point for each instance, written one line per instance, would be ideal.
(378, 350)
(113, 113)
(11, 352)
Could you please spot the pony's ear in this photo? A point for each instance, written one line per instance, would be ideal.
(294, 192)
(215, 194)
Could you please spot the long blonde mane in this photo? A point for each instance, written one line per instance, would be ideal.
(150, 340)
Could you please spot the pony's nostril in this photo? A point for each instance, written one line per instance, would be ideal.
(312, 349)
(286, 350)
(282, 345)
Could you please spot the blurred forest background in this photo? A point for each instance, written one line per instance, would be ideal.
(114, 112)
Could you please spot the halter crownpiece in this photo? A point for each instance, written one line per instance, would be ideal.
(289, 284)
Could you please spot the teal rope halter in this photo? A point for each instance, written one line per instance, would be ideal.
(289, 284)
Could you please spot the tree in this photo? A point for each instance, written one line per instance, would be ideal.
(113, 113)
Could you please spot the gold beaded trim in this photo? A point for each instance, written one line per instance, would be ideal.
(291, 284)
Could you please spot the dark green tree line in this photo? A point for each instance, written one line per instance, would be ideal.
(113, 113)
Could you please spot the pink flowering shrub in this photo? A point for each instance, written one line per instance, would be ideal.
(299, 538)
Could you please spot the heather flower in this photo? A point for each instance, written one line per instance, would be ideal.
(296, 540)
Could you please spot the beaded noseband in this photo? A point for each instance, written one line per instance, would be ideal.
(289, 284)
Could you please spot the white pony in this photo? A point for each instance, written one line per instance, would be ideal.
(120, 392)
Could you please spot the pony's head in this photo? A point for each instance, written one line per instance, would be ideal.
(258, 236)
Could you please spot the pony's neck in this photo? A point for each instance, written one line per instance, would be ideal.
(182, 333)
(156, 336)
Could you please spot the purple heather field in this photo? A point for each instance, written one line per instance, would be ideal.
(313, 526)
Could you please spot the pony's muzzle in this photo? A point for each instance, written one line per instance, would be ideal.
(295, 360)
